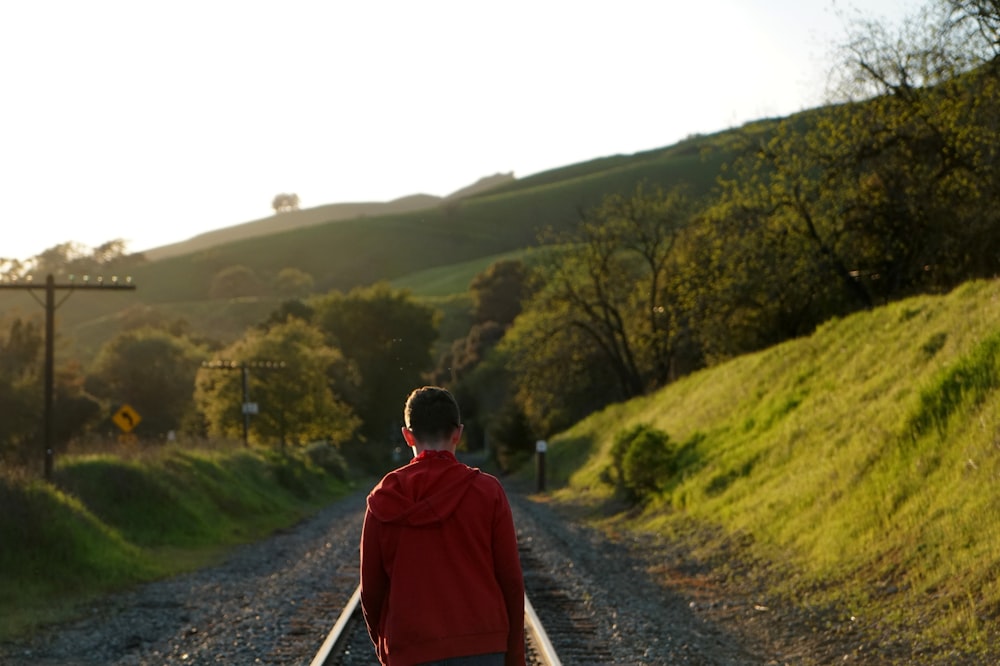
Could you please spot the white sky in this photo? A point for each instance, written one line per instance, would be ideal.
(157, 121)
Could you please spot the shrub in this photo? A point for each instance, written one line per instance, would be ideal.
(643, 458)
(327, 457)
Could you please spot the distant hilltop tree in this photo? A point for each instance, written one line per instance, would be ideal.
(285, 202)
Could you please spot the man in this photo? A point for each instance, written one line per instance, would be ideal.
(441, 577)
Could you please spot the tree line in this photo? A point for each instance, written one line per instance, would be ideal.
(328, 369)
(890, 192)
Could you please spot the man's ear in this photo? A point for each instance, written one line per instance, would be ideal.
(411, 439)
(456, 434)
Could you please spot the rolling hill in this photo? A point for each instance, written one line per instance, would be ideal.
(307, 217)
(341, 246)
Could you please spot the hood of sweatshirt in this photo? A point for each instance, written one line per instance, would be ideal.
(424, 492)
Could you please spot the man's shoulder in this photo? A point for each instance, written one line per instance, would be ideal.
(488, 482)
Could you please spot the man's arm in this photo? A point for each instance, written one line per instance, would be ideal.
(374, 582)
(507, 564)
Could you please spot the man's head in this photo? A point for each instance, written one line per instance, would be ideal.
(432, 419)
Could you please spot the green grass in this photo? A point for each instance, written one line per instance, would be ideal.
(110, 521)
(445, 281)
(863, 460)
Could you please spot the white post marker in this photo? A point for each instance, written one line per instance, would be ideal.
(541, 446)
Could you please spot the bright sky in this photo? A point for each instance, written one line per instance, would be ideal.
(155, 122)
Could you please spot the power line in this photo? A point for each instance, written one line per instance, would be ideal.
(50, 305)
(244, 367)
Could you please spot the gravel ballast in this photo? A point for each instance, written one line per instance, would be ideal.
(272, 602)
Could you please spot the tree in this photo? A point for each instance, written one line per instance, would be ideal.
(21, 396)
(290, 370)
(20, 390)
(933, 136)
(498, 291)
(287, 310)
(151, 370)
(614, 283)
(387, 336)
(76, 259)
(283, 203)
(236, 281)
(892, 192)
(293, 283)
(551, 374)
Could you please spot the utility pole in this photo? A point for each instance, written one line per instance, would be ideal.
(50, 306)
(248, 407)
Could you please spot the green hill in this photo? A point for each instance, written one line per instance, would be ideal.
(346, 253)
(860, 464)
(498, 216)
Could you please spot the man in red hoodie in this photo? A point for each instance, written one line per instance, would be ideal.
(441, 577)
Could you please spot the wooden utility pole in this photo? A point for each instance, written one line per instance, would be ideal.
(50, 306)
(248, 408)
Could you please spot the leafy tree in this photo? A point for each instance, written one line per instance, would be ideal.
(612, 290)
(387, 336)
(289, 309)
(552, 374)
(76, 259)
(283, 203)
(289, 370)
(772, 257)
(512, 436)
(465, 354)
(235, 282)
(893, 192)
(293, 283)
(930, 145)
(497, 295)
(151, 370)
(20, 390)
(74, 410)
(499, 291)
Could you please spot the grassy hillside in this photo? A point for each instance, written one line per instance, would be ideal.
(435, 251)
(861, 463)
(288, 220)
(348, 253)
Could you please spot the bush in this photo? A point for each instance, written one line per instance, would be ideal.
(642, 458)
(327, 457)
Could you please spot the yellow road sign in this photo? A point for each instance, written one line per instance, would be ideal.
(126, 418)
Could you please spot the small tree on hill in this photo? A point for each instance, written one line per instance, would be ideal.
(282, 203)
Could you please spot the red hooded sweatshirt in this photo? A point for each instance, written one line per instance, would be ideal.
(440, 571)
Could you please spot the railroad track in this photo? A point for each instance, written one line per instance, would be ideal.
(559, 626)
(347, 644)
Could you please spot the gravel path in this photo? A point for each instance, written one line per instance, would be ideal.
(264, 604)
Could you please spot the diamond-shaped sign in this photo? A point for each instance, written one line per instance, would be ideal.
(126, 418)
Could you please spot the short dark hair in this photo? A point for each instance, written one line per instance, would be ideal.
(431, 413)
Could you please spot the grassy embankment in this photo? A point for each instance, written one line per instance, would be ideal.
(110, 521)
(862, 463)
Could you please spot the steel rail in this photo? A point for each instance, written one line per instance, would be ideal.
(533, 626)
(333, 638)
